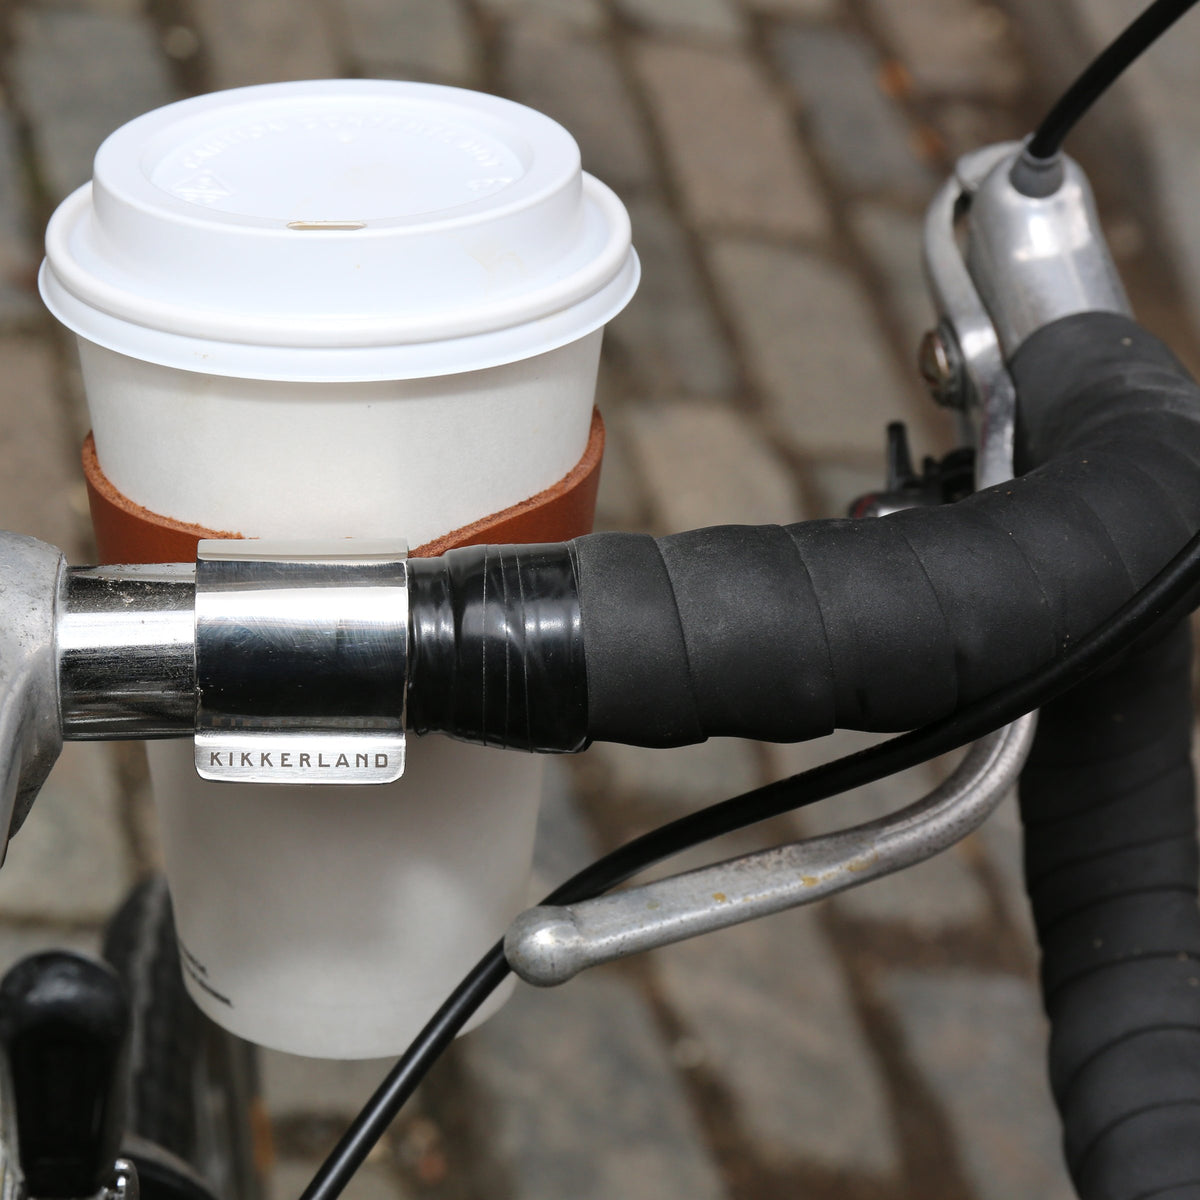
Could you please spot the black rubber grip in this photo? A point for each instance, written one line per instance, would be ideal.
(786, 633)
(1111, 861)
(1108, 801)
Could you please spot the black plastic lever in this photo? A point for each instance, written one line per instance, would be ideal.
(64, 1026)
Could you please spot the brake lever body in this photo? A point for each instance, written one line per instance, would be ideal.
(1000, 266)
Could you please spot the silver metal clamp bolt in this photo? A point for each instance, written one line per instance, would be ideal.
(939, 361)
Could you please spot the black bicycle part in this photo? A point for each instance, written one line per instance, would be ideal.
(163, 1175)
(892, 623)
(940, 481)
(64, 1026)
(194, 1114)
(1111, 864)
(496, 654)
(786, 633)
(1108, 805)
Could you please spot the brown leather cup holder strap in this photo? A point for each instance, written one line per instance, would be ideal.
(128, 533)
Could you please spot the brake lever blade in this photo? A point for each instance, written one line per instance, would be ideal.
(549, 944)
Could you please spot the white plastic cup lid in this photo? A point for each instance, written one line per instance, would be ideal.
(338, 230)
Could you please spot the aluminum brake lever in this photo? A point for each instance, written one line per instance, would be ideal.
(549, 945)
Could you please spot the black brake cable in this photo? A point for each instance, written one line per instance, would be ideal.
(1102, 72)
(1168, 596)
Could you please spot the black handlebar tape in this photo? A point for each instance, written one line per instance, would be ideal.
(1108, 803)
(1111, 861)
(785, 633)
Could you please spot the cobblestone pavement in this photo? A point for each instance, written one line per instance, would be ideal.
(776, 156)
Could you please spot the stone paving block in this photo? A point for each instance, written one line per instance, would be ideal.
(577, 81)
(965, 125)
(38, 459)
(437, 40)
(863, 137)
(123, 8)
(771, 1012)
(589, 15)
(584, 1099)
(74, 399)
(862, 804)
(810, 9)
(717, 19)
(1173, 154)
(730, 142)
(69, 862)
(706, 464)
(141, 816)
(981, 1043)
(892, 240)
(668, 334)
(940, 894)
(372, 1181)
(20, 941)
(296, 1086)
(952, 45)
(18, 261)
(813, 346)
(263, 41)
(77, 76)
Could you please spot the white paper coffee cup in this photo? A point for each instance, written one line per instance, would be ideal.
(332, 309)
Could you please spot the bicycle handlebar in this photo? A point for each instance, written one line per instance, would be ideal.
(785, 633)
